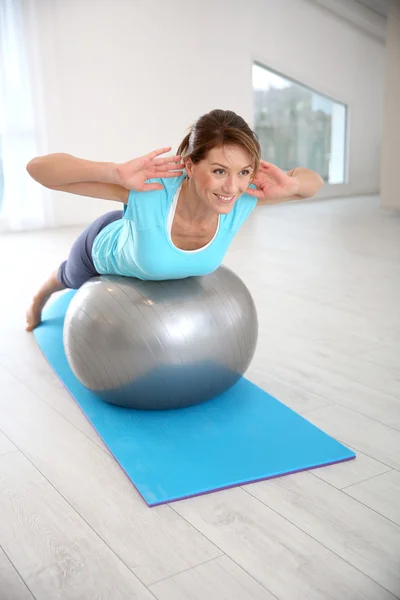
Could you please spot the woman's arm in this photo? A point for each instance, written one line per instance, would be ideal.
(95, 189)
(66, 173)
(60, 169)
(308, 182)
(107, 180)
(274, 185)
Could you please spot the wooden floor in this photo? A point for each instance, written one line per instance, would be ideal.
(326, 279)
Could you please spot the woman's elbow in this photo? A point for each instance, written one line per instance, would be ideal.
(319, 182)
(315, 182)
(39, 169)
(32, 167)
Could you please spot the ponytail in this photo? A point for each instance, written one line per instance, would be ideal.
(184, 146)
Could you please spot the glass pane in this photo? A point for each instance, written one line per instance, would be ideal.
(298, 127)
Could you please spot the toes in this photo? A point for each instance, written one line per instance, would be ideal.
(30, 325)
(32, 321)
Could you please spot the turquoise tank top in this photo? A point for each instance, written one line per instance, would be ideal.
(140, 245)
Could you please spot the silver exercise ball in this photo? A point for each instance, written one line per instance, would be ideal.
(161, 344)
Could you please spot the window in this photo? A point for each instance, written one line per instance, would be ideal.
(22, 204)
(297, 126)
(1, 178)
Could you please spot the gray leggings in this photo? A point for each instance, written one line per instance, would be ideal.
(79, 267)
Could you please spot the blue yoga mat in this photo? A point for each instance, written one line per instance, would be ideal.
(242, 436)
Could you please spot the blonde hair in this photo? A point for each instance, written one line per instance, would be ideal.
(219, 128)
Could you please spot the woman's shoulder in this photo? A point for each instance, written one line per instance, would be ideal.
(148, 208)
(170, 184)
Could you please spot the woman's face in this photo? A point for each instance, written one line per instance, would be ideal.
(221, 177)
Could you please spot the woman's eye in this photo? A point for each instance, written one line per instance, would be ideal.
(245, 172)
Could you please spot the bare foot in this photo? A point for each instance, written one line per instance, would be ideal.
(34, 313)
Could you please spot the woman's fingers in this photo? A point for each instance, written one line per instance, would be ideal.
(170, 174)
(274, 171)
(163, 171)
(169, 170)
(267, 165)
(152, 187)
(166, 175)
(155, 153)
(255, 193)
(164, 161)
(169, 167)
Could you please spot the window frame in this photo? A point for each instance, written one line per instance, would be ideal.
(327, 96)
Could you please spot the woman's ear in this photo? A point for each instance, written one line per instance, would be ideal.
(188, 167)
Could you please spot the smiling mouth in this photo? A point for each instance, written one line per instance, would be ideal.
(225, 199)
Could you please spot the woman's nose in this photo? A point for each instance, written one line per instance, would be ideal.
(229, 186)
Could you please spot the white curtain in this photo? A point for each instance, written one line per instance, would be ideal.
(22, 201)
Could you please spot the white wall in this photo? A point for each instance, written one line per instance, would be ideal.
(122, 77)
(390, 189)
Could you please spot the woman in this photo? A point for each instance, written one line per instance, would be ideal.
(181, 213)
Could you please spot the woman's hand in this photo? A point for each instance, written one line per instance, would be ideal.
(134, 173)
(273, 183)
